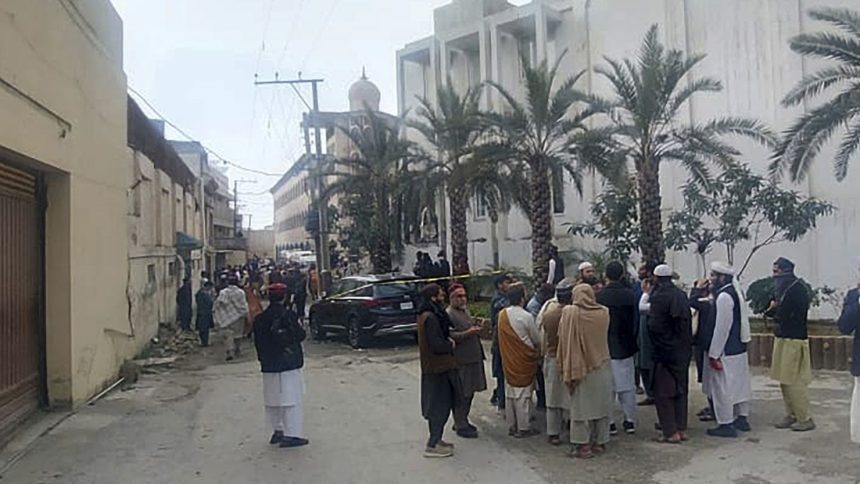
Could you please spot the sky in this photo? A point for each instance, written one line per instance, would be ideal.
(195, 61)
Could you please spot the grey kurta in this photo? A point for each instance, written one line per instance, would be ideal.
(557, 394)
(592, 397)
(468, 352)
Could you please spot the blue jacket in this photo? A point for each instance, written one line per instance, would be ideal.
(849, 323)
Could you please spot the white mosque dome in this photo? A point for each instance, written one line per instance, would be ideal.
(363, 94)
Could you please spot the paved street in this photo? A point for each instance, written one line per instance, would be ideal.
(204, 423)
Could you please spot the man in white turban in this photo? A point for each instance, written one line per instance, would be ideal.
(726, 376)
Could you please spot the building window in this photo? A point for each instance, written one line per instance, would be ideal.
(150, 273)
(480, 206)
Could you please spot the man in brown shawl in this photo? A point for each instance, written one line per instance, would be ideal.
(469, 355)
(583, 357)
(519, 343)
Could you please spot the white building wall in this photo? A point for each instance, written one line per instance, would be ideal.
(747, 49)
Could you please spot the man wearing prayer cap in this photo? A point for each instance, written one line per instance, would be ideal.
(586, 273)
(557, 394)
(726, 377)
(792, 364)
(670, 331)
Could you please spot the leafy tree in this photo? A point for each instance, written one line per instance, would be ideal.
(644, 127)
(614, 221)
(454, 128)
(377, 177)
(803, 140)
(543, 137)
(742, 207)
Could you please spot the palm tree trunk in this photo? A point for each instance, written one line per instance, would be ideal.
(459, 231)
(380, 256)
(541, 221)
(651, 238)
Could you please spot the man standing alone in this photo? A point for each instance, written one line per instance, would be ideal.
(440, 382)
(205, 298)
(470, 358)
(519, 343)
(278, 338)
(622, 343)
(670, 331)
(726, 376)
(792, 363)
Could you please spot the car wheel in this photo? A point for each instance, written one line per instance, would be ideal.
(356, 338)
(317, 331)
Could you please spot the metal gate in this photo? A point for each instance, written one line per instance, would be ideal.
(21, 316)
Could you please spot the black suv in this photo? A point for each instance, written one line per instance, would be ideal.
(365, 307)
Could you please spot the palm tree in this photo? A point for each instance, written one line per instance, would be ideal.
(648, 96)
(454, 128)
(803, 140)
(541, 137)
(380, 174)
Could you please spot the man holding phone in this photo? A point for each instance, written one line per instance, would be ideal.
(469, 355)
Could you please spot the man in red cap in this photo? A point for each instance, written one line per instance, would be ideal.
(278, 337)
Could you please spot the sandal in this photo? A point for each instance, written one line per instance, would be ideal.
(598, 449)
(683, 436)
(554, 440)
(660, 439)
(582, 452)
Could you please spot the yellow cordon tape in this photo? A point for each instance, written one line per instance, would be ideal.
(429, 279)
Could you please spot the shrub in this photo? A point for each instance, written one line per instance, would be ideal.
(760, 293)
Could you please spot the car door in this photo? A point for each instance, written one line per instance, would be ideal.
(340, 306)
(324, 309)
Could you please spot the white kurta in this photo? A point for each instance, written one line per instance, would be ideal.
(525, 327)
(284, 389)
(732, 385)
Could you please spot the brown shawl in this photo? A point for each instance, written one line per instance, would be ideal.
(519, 360)
(583, 345)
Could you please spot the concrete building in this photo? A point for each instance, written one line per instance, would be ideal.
(165, 227)
(63, 192)
(292, 199)
(261, 243)
(747, 50)
(222, 245)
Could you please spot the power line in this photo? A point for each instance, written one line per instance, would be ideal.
(191, 138)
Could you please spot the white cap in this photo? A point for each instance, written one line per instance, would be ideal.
(663, 270)
(585, 265)
(722, 268)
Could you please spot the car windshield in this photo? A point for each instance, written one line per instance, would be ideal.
(391, 290)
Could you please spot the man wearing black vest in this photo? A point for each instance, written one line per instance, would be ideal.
(726, 376)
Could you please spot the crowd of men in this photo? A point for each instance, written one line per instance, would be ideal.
(586, 342)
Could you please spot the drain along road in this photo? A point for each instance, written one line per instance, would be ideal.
(203, 422)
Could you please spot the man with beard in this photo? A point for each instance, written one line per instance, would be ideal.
(670, 331)
(849, 323)
(726, 376)
(440, 383)
(792, 364)
(519, 345)
(469, 355)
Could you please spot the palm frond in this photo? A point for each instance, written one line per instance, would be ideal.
(813, 84)
(829, 46)
(848, 20)
(750, 128)
(847, 148)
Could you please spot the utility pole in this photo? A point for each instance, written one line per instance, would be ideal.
(236, 225)
(313, 116)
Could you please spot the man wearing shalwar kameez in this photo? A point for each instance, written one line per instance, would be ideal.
(278, 338)
(849, 323)
(791, 364)
(557, 394)
(519, 344)
(726, 376)
(583, 358)
(671, 333)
